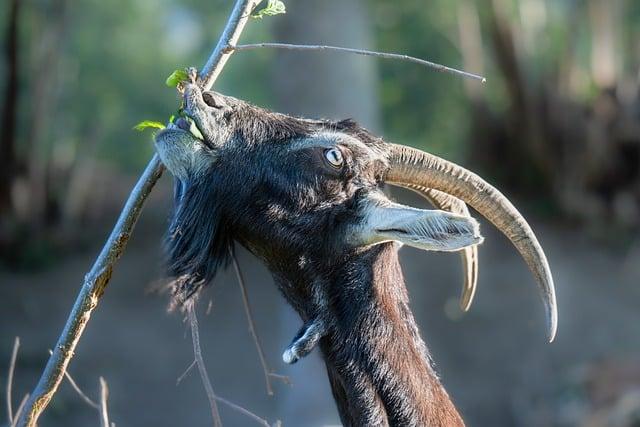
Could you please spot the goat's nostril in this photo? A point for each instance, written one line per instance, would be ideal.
(211, 100)
(182, 124)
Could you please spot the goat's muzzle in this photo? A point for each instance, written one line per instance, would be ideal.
(416, 169)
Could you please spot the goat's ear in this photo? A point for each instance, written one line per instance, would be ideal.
(431, 230)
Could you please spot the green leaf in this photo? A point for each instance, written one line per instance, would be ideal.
(146, 124)
(273, 7)
(177, 77)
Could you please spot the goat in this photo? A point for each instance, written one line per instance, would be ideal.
(305, 197)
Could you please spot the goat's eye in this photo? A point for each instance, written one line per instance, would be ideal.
(334, 156)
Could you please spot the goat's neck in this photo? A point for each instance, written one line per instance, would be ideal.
(378, 366)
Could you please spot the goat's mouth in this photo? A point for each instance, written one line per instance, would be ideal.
(186, 123)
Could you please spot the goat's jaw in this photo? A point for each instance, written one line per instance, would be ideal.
(182, 153)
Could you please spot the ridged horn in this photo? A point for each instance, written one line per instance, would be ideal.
(411, 166)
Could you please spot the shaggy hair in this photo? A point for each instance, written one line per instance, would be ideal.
(206, 207)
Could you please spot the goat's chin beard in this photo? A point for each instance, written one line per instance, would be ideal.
(196, 243)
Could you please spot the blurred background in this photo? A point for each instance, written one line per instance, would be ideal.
(556, 127)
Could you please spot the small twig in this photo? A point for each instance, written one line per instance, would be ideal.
(78, 390)
(243, 411)
(285, 379)
(20, 409)
(12, 368)
(238, 19)
(184, 374)
(227, 402)
(197, 353)
(252, 327)
(82, 395)
(104, 395)
(434, 65)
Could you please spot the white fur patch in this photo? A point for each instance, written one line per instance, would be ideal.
(184, 155)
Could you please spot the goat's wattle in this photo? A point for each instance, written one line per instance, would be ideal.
(328, 233)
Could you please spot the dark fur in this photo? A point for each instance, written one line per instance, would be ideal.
(293, 212)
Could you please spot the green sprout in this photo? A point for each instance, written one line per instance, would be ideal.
(177, 77)
(273, 7)
(148, 124)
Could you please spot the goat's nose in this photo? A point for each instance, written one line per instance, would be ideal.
(211, 100)
(193, 98)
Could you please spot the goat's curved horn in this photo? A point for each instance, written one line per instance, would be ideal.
(412, 166)
(469, 255)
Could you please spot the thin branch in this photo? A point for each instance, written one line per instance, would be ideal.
(285, 379)
(20, 409)
(238, 19)
(104, 395)
(82, 395)
(228, 402)
(97, 279)
(197, 353)
(186, 371)
(243, 411)
(12, 368)
(438, 67)
(252, 327)
(95, 283)
(78, 390)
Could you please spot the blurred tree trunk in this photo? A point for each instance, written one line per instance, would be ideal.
(323, 84)
(605, 41)
(39, 151)
(523, 123)
(9, 109)
(552, 142)
(470, 45)
(328, 85)
(81, 179)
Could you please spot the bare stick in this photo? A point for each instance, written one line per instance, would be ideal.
(20, 409)
(197, 353)
(82, 395)
(12, 368)
(252, 328)
(228, 402)
(285, 379)
(93, 287)
(78, 390)
(97, 279)
(239, 16)
(186, 371)
(243, 411)
(438, 67)
(104, 395)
